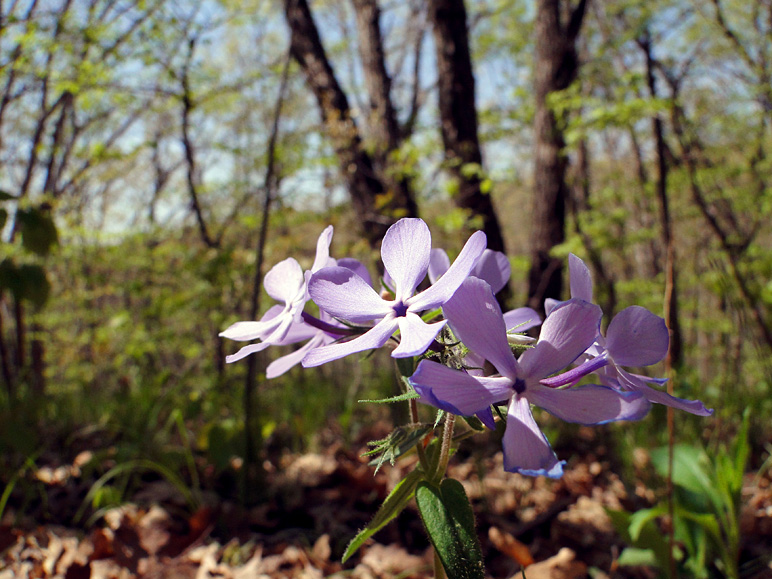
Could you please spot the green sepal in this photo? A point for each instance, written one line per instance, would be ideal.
(449, 520)
(391, 507)
(397, 443)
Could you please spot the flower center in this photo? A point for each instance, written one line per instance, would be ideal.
(519, 386)
(400, 309)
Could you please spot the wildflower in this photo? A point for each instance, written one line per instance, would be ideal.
(405, 253)
(635, 337)
(477, 321)
(286, 283)
(493, 267)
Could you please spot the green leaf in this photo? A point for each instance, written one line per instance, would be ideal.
(38, 231)
(633, 557)
(412, 394)
(25, 282)
(5, 196)
(449, 521)
(391, 507)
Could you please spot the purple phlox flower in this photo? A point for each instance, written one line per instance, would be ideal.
(476, 319)
(286, 283)
(493, 267)
(635, 337)
(405, 253)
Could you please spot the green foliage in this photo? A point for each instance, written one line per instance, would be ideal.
(707, 493)
(449, 520)
(394, 504)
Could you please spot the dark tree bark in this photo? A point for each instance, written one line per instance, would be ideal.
(555, 68)
(458, 114)
(385, 135)
(374, 202)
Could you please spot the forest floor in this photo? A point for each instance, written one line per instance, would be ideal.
(318, 501)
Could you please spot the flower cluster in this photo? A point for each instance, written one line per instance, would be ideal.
(467, 346)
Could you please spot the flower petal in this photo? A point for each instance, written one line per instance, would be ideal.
(475, 316)
(405, 254)
(246, 351)
(455, 391)
(631, 382)
(439, 262)
(526, 449)
(636, 337)
(322, 258)
(375, 337)
(446, 286)
(493, 267)
(283, 364)
(581, 280)
(343, 294)
(567, 332)
(285, 281)
(521, 319)
(245, 331)
(357, 267)
(415, 335)
(590, 404)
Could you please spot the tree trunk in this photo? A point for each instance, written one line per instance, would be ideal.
(384, 135)
(374, 203)
(555, 68)
(458, 114)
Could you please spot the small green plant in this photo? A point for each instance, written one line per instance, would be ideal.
(706, 511)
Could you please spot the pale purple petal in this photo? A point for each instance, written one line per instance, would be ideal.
(550, 304)
(357, 267)
(493, 267)
(455, 391)
(636, 337)
(631, 382)
(446, 286)
(566, 333)
(581, 280)
(590, 404)
(439, 262)
(475, 317)
(246, 351)
(415, 335)
(285, 281)
(521, 319)
(323, 250)
(298, 332)
(245, 331)
(375, 337)
(343, 294)
(283, 364)
(405, 254)
(526, 449)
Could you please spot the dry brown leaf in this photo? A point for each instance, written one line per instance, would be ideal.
(510, 546)
(561, 566)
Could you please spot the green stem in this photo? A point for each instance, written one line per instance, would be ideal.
(447, 438)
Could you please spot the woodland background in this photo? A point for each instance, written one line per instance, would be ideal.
(156, 158)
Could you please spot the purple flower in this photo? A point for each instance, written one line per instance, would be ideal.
(635, 337)
(405, 253)
(492, 267)
(285, 283)
(477, 321)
